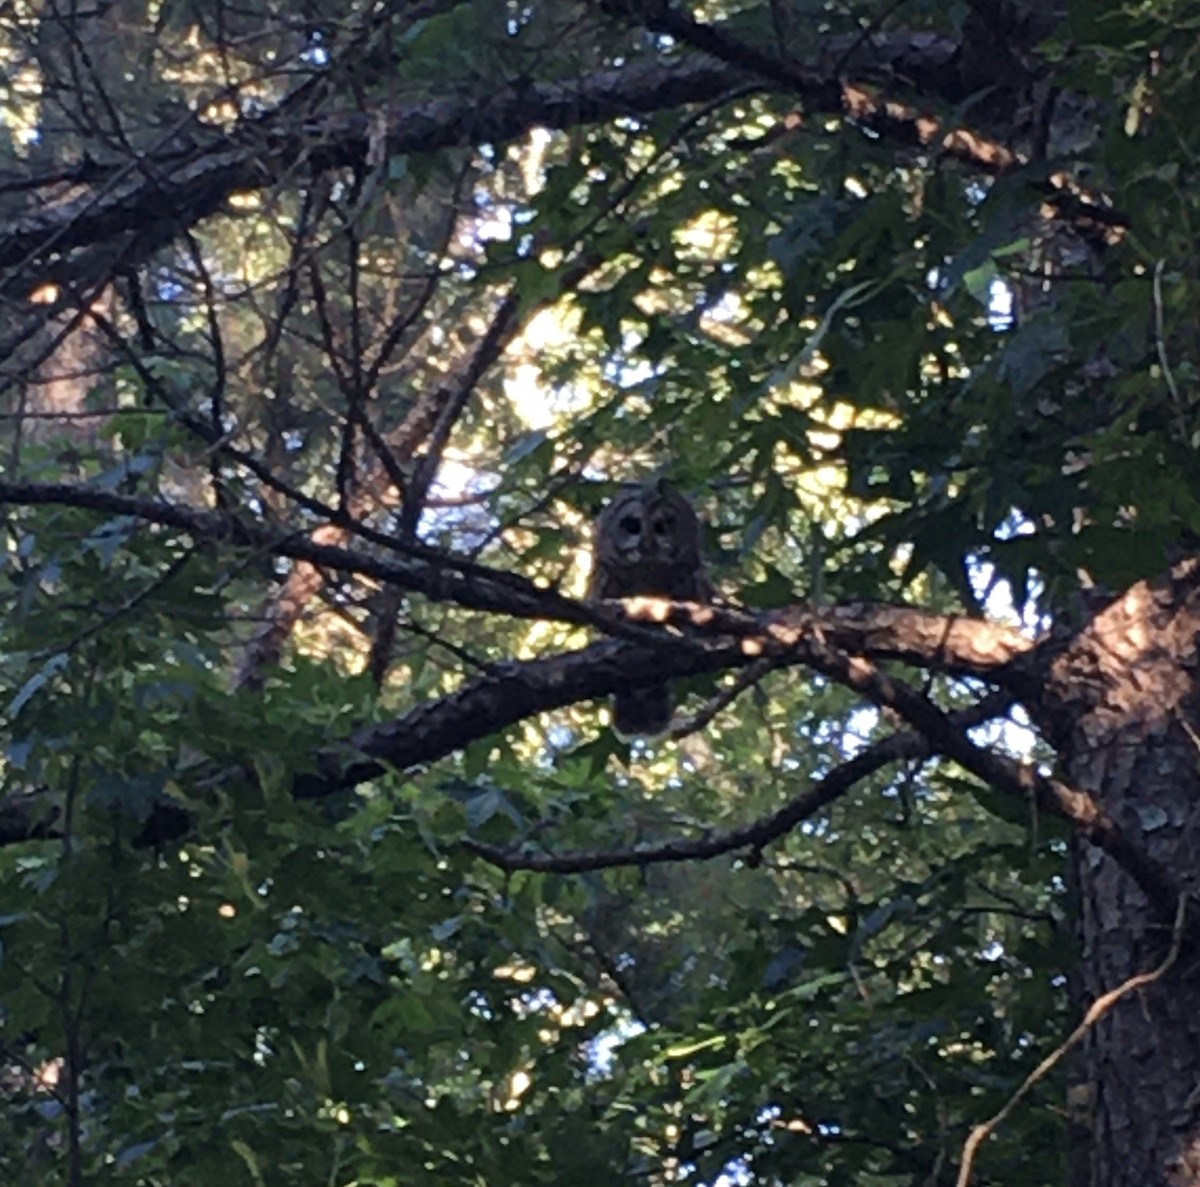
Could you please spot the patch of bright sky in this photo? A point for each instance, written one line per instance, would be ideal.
(1001, 305)
(996, 593)
(317, 54)
(738, 1175)
(494, 225)
(538, 405)
(603, 1049)
(471, 523)
(1013, 735)
(20, 105)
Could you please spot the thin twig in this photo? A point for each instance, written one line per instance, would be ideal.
(1101, 1006)
(745, 679)
(758, 834)
(1160, 342)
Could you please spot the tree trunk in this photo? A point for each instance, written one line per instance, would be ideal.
(1125, 702)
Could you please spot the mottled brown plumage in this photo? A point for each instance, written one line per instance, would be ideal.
(647, 543)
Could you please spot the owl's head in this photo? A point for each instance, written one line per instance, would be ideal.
(649, 523)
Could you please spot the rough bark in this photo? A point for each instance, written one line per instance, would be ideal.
(1123, 700)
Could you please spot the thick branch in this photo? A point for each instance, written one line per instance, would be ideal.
(172, 189)
(176, 189)
(423, 570)
(512, 692)
(1005, 774)
(826, 90)
(796, 634)
(732, 639)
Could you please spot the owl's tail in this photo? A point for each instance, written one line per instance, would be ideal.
(643, 711)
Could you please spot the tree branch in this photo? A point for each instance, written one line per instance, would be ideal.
(179, 188)
(795, 634)
(174, 188)
(759, 834)
(438, 575)
(1077, 807)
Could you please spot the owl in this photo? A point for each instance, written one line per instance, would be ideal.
(647, 542)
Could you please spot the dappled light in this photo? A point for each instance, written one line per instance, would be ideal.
(598, 593)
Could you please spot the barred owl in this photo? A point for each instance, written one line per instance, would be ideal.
(647, 542)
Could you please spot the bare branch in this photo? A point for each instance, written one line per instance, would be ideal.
(437, 575)
(897, 747)
(453, 403)
(1096, 1011)
(748, 678)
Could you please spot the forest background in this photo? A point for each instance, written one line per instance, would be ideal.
(328, 329)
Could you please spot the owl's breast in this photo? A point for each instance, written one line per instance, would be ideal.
(654, 578)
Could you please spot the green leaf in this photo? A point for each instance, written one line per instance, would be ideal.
(43, 676)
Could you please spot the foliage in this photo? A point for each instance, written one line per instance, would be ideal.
(801, 320)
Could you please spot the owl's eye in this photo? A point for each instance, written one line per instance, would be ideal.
(662, 527)
(631, 525)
